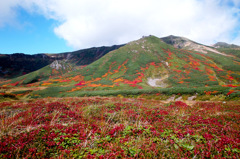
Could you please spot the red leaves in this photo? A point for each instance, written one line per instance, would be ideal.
(120, 127)
(153, 64)
(230, 92)
(208, 136)
(15, 84)
(113, 132)
(168, 52)
(140, 87)
(180, 104)
(196, 68)
(136, 81)
(230, 78)
(231, 85)
(81, 83)
(178, 71)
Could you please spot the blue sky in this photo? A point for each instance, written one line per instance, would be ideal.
(30, 34)
(54, 26)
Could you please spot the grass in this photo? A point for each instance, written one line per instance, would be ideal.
(212, 91)
(226, 62)
(235, 52)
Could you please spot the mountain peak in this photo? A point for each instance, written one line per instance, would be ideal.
(225, 45)
(184, 43)
(177, 41)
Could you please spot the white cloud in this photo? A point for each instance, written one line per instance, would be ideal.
(87, 23)
(7, 13)
(236, 3)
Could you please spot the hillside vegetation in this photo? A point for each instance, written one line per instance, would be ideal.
(145, 65)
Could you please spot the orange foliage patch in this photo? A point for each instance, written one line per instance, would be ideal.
(214, 66)
(115, 71)
(212, 78)
(105, 75)
(45, 84)
(209, 71)
(118, 80)
(78, 78)
(75, 89)
(187, 71)
(210, 92)
(107, 86)
(94, 85)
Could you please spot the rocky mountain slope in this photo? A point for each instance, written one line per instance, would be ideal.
(14, 65)
(184, 43)
(225, 45)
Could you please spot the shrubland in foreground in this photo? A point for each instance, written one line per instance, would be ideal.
(114, 127)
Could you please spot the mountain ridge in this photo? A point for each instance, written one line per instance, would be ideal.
(17, 64)
(185, 43)
(225, 45)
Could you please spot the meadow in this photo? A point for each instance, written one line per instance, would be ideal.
(119, 127)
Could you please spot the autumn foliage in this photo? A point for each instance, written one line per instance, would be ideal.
(118, 128)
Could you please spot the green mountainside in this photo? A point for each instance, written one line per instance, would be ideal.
(229, 49)
(141, 66)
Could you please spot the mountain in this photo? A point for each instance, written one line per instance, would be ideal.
(225, 45)
(17, 64)
(229, 49)
(149, 63)
(14, 65)
(184, 43)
